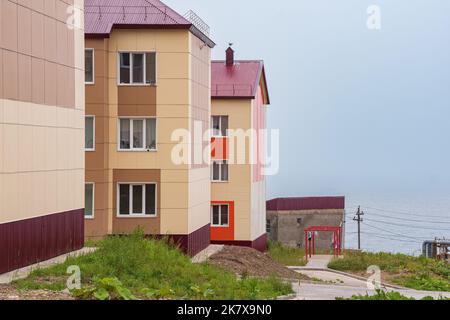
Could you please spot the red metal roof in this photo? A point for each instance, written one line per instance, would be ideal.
(311, 203)
(101, 16)
(238, 81)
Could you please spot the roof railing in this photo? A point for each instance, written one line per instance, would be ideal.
(198, 22)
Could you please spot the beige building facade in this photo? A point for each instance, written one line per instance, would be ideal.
(41, 130)
(239, 108)
(147, 88)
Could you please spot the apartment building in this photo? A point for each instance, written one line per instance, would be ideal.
(147, 76)
(239, 103)
(41, 131)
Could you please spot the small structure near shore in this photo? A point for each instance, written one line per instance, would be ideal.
(288, 218)
(437, 249)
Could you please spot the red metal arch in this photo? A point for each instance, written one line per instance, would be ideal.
(310, 243)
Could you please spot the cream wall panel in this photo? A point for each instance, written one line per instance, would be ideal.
(258, 209)
(180, 176)
(172, 41)
(174, 221)
(173, 111)
(174, 195)
(199, 216)
(167, 126)
(172, 65)
(172, 91)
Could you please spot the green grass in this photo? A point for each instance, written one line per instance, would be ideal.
(287, 256)
(382, 295)
(412, 272)
(157, 270)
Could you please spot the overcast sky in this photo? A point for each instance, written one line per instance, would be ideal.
(360, 111)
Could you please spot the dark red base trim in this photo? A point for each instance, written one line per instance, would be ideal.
(193, 243)
(259, 244)
(26, 242)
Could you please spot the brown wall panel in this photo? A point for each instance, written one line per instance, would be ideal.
(137, 101)
(151, 225)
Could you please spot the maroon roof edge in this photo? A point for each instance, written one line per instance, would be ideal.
(308, 203)
(240, 81)
(102, 16)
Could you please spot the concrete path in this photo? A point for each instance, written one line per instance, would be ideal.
(307, 291)
(333, 278)
(319, 262)
(340, 284)
(24, 272)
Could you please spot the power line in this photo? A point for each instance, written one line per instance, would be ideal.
(393, 239)
(392, 232)
(408, 213)
(407, 226)
(412, 220)
(386, 236)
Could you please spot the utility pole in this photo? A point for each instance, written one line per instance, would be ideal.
(358, 219)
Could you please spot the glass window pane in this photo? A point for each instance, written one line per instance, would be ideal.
(89, 200)
(216, 126)
(137, 199)
(224, 215)
(89, 133)
(215, 215)
(138, 134)
(151, 68)
(89, 66)
(125, 68)
(124, 199)
(224, 126)
(224, 169)
(216, 171)
(151, 134)
(125, 134)
(138, 68)
(150, 199)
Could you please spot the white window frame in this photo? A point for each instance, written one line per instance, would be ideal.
(214, 135)
(131, 53)
(220, 215)
(137, 215)
(221, 162)
(131, 120)
(93, 201)
(93, 133)
(93, 66)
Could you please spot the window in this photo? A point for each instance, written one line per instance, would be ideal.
(220, 215)
(89, 200)
(137, 68)
(89, 134)
(220, 171)
(137, 134)
(268, 226)
(220, 126)
(137, 199)
(89, 66)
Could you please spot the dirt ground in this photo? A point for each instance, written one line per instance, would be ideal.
(241, 260)
(9, 292)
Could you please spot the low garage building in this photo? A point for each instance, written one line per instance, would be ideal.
(287, 218)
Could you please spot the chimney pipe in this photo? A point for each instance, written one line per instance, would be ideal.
(230, 56)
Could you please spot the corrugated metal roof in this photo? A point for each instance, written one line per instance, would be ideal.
(238, 81)
(101, 16)
(310, 203)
